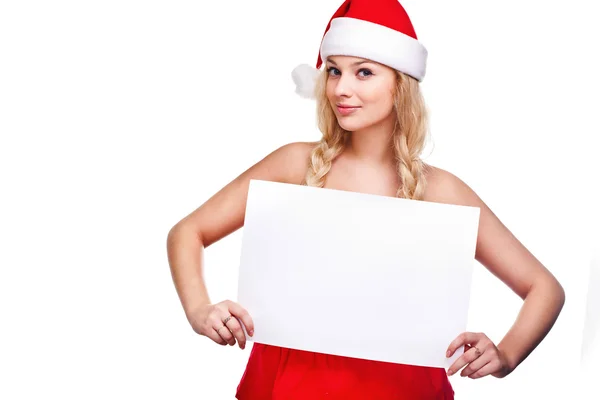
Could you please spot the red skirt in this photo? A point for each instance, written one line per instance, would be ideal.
(277, 373)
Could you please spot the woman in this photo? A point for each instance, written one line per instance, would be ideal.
(374, 125)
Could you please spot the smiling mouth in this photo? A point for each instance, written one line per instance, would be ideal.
(346, 110)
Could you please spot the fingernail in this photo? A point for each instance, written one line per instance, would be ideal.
(450, 372)
(251, 333)
(448, 353)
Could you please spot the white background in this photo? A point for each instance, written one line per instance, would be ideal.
(118, 118)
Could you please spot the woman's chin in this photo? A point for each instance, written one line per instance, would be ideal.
(349, 125)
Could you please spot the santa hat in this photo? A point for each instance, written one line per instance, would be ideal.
(378, 30)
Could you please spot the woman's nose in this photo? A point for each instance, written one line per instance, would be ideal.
(344, 86)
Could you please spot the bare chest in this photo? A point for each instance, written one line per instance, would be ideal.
(363, 179)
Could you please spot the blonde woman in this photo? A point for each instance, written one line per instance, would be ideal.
(374, 124)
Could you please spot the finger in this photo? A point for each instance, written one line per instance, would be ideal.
(462, 339)
(477, 363)
(487, 369)
(215, 337)
(242, 314)
(225, 334)
(463, 360)
(221, 315)
(236, 329)
(477, 346)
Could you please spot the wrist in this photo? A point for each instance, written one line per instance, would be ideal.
(509, 362)
(192, 310)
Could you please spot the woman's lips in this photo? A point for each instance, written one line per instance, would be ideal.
(346, 110)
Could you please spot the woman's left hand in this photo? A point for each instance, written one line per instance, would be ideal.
(481, 355)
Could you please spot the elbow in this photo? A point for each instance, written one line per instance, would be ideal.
(556, 292)
(179, 231)
(552, 290)
(173, 235)
(561, 294)
(170, 242)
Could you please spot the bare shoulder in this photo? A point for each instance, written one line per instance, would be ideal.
(292, 160)
(445, 187)
(224, 212)
(497, 248)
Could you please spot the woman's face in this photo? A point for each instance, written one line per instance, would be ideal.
(360, 91)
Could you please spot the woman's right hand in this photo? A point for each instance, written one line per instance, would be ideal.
(221, 322)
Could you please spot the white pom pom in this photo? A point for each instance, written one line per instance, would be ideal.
(305, 78)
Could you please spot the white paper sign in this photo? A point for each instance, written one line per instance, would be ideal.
(355, 274)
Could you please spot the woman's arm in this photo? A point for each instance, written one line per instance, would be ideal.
(506, 257)
(221, 215)
(538, 314)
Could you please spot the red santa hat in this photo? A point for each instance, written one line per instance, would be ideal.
(378, 30)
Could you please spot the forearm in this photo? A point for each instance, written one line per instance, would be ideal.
(537, 316)
(185, 254)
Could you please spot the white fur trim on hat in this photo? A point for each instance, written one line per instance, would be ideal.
(305, 78)
(364, 39)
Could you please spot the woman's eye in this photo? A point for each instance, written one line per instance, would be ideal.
(330, 69)
(362, 73)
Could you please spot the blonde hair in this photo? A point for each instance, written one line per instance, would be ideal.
(408, 140)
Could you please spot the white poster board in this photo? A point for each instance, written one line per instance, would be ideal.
(355, 274)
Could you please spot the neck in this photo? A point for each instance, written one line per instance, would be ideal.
(372, 144)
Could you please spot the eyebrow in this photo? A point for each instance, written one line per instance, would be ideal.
(353, 64)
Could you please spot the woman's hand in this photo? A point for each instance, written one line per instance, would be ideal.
(481, 354)
(221, 322)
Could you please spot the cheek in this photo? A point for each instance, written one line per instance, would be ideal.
(329, 90)
(381, 102)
